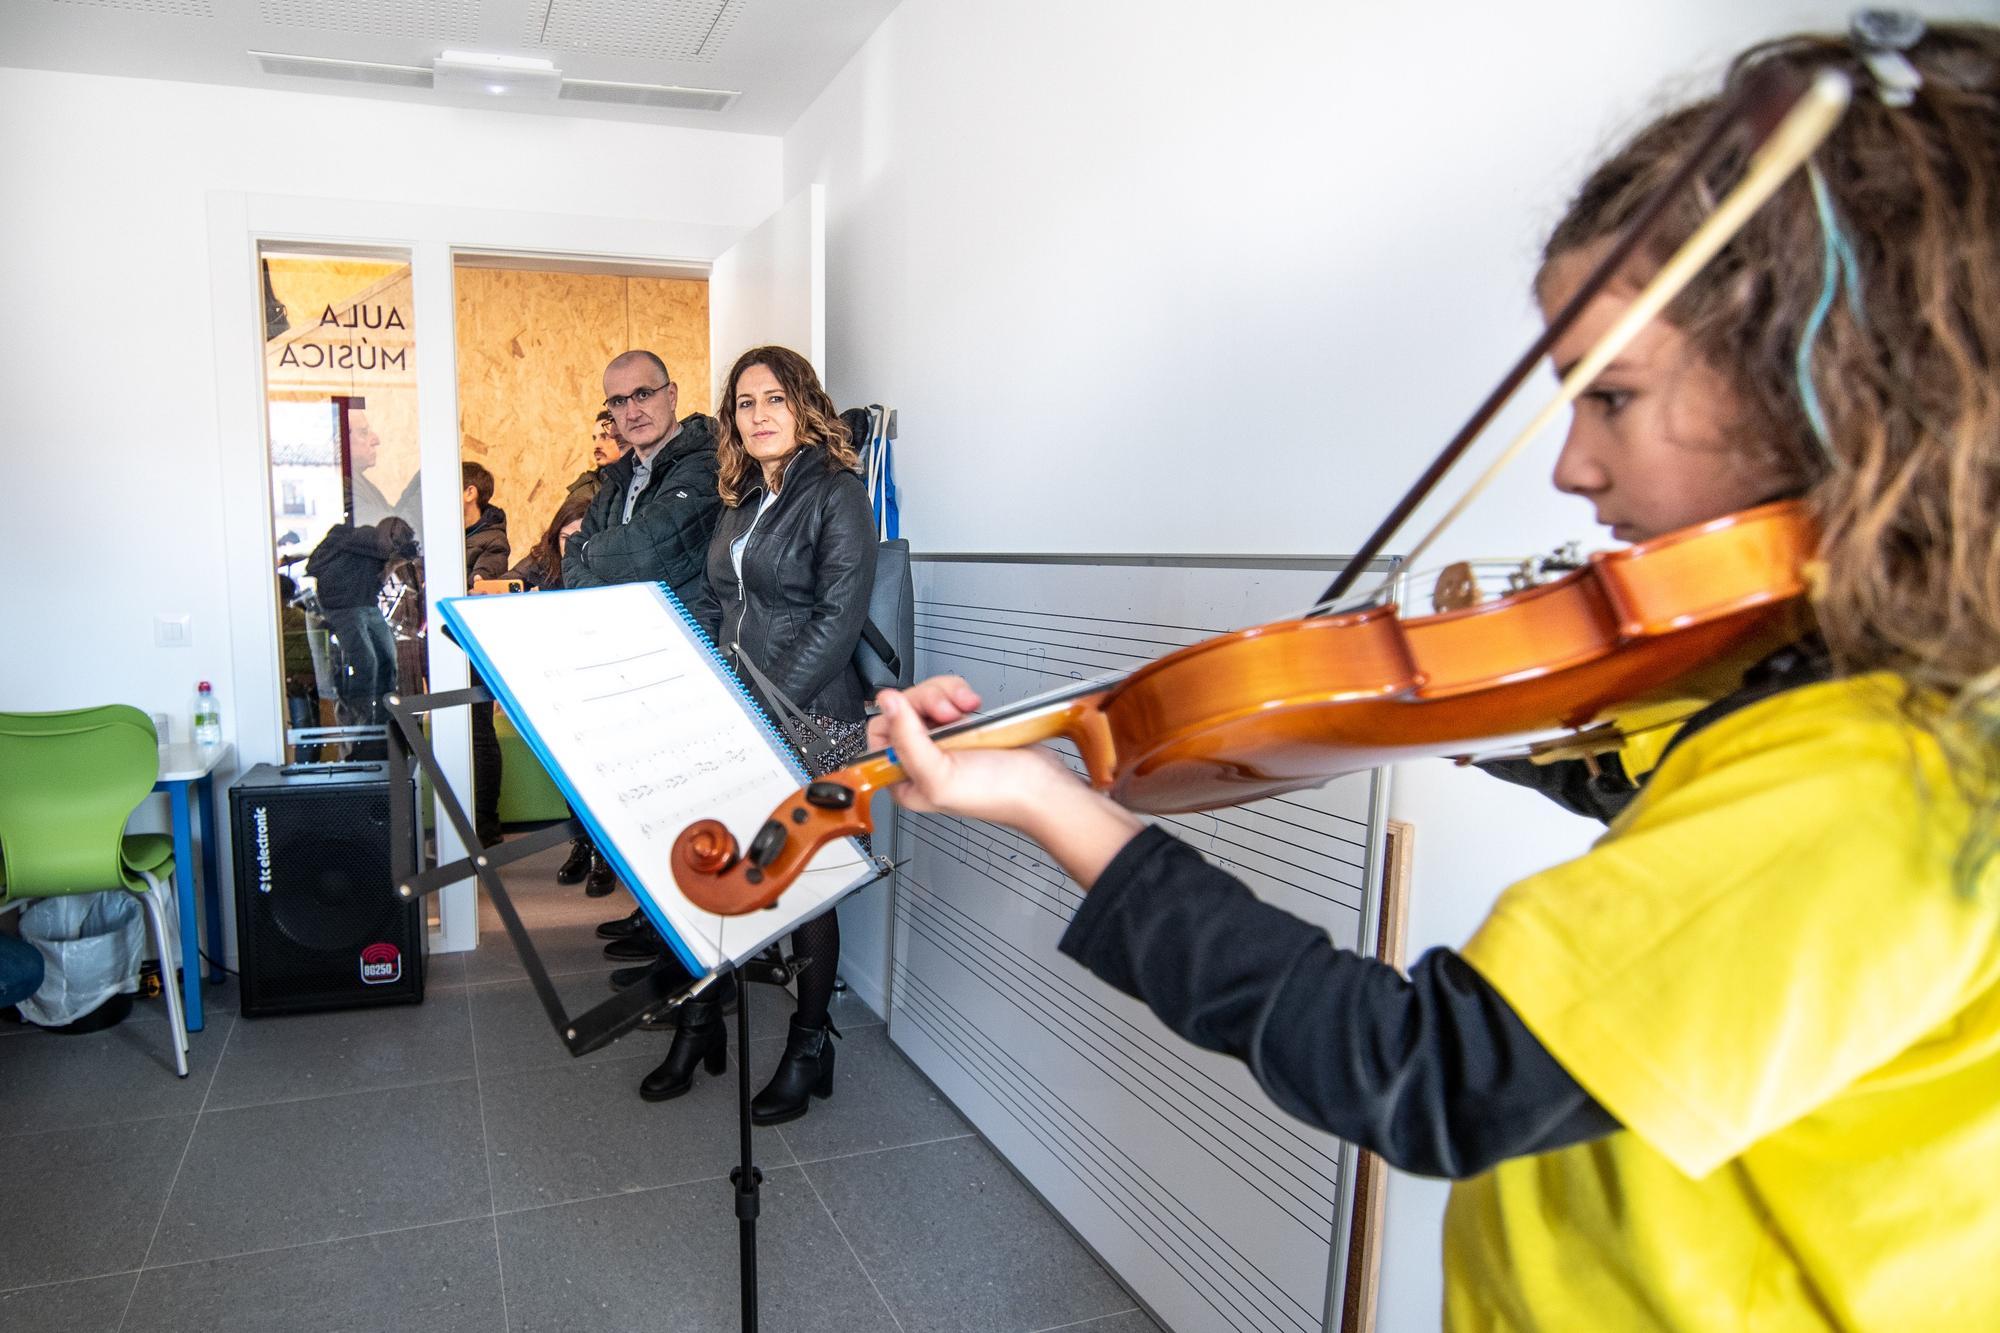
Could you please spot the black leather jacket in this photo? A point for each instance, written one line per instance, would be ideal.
(807, 572)
(667, 539)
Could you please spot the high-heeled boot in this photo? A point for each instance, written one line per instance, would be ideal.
(700, 1039)
(805, 1070)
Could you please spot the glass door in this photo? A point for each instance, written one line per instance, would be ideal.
(340, 394)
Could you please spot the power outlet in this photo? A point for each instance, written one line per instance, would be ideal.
(173, 631)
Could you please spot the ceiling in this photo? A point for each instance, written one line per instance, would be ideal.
(777, 55)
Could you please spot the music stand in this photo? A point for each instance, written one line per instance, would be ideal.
(654, 995)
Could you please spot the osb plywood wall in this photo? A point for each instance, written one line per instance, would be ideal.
(351, 331)
(531, 354)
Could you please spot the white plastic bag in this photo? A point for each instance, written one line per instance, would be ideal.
(91, 944)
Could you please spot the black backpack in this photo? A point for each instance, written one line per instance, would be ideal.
(884, 657)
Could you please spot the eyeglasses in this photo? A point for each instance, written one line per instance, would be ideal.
(639, 396)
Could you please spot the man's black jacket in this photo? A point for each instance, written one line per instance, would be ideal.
(667, 539)
(346, 566)
(807, 572)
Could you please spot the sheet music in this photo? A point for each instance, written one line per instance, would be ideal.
(646, 731)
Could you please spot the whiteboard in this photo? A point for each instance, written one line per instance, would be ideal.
(1218, 1211)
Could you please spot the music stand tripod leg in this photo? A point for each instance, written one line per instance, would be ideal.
(746, 1177)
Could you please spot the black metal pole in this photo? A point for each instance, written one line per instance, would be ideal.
(745, 1177)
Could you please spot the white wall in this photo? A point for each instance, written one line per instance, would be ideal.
(1172, 277)
(110, 463)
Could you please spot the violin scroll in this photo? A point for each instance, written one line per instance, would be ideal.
(716, 877)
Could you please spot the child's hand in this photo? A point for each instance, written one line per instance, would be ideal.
(1000, 785)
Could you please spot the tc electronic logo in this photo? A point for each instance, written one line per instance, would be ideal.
(262, 818)
(381, 964)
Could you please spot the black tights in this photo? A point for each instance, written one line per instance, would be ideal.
(819, 940)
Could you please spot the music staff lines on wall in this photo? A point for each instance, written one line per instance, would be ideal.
(1143, 648)
(1187, 634)
(1067, 1109)
(1083, 670)
(1081, 651)
(1245, 856)
(994, 844)
(1185, 1087)
(1342, 828)
(1341, 849)
(1120, 1183)
(1216, 1209)
(932, 840)
(1149, 1041)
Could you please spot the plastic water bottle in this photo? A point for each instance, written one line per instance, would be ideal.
(207, 717)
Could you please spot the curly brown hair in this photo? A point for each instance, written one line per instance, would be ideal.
(1902, 466)
(820, 426)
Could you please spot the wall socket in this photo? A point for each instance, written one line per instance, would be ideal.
(173, 631)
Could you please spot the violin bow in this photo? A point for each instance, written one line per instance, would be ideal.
(1787, 125)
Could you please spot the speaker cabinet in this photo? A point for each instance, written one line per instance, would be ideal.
(318, 924)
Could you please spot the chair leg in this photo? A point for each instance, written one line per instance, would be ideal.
(171, 910)
(166, 889)
(157, 896)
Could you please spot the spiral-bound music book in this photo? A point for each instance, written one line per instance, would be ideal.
(646, 729)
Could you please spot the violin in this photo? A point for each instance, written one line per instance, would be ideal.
(1292, 704)
(1355, 683)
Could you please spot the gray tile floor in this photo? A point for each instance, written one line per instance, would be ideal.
(450, 1169)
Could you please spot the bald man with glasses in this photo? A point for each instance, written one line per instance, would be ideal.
(650, 522)
(652, 519)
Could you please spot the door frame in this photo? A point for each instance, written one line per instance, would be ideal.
(238, 223)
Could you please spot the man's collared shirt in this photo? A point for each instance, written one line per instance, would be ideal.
(642, 471)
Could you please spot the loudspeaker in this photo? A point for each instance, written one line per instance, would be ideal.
(318, 924)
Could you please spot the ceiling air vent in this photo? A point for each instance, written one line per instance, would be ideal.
(646, 94)
(347, 71)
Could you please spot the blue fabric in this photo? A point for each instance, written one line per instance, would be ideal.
(878, 465)
(20, 970)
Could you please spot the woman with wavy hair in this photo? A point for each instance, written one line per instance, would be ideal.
(790, 569)
(1738, 1065)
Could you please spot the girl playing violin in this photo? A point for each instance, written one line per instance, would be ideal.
(1737, 1066)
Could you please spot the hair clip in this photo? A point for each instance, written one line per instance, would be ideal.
(1881, 37)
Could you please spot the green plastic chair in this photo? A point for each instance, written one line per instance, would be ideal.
(69, 783)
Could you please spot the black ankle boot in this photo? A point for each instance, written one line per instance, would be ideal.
(805, 1069)
(641, 944)
(623, 926)
(699, 1040)
(577, 864)
(601, 880)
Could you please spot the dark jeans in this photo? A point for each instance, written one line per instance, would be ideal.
(20, 970)
(370, 650)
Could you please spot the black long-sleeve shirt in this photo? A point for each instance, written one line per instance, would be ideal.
(1433, 1071)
